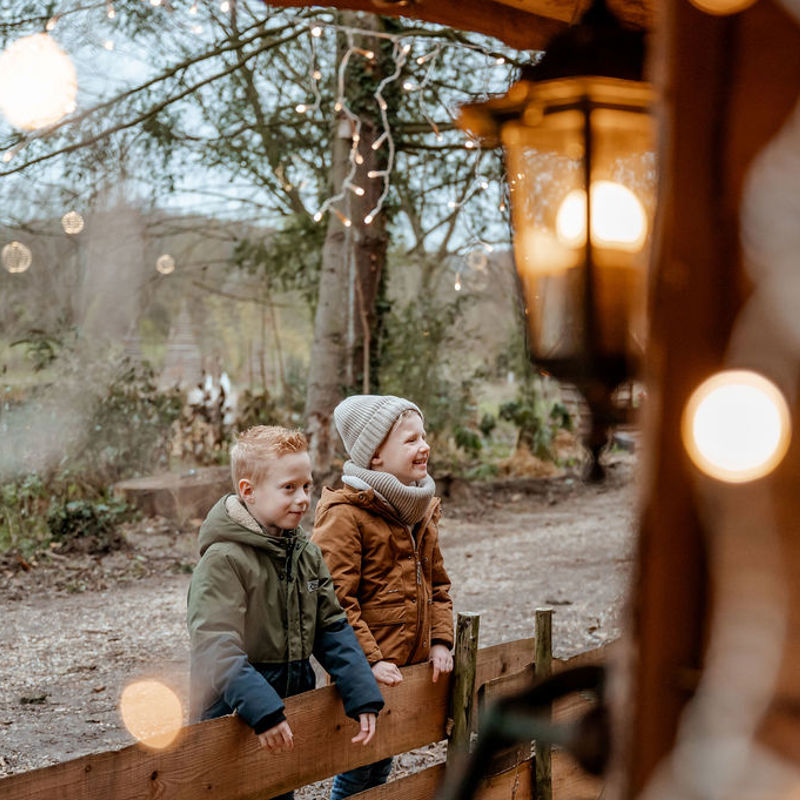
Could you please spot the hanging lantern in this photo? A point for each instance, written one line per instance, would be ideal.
(72, 223)
(38, 84)
(16, 257)
(578, 145)
(165, 264)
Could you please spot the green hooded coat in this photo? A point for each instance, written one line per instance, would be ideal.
(259, 605)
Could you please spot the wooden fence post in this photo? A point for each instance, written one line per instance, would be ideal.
(543, 667)
(464, 673)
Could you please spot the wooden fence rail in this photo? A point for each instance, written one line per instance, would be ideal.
(221, 760)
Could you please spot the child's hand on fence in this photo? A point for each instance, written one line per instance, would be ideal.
(441, 659)
(367, 723)
(387, 673)
(278, 739)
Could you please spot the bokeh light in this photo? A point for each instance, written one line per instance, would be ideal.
(38, 83)
(722, 7)
(152, 713)
(16, 257)
(72, 222)
(736, 426)
(165, 264)
(618, 218)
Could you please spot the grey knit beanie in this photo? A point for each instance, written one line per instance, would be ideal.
(364, 421)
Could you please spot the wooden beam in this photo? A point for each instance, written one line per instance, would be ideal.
(520, 29)
(727, 84)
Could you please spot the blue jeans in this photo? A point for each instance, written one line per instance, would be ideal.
(361, 778)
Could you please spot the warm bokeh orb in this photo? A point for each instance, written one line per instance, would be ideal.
(38, 83)
(16, 257)
(72, 222)
(152, 713)
(722, 7)
(165, 264)
(736, 426)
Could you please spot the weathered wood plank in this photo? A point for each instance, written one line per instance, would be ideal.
(543, 668)
(221, 759)
(503, 659)
(464, 686)
(418, 786)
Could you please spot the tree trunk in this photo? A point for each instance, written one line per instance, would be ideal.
(353, 259)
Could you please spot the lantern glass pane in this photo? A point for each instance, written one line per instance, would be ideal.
(621, 207)
(545, 165)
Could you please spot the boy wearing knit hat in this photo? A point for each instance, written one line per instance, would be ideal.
(379, 537)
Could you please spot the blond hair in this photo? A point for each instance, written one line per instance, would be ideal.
(257, 447)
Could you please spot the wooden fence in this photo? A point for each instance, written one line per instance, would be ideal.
(221, 760)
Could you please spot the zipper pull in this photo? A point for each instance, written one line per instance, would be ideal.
(419, 573)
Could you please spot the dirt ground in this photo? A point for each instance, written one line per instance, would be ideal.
(76, 629)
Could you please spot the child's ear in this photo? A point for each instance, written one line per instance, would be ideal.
(246, 490)
(376, 460)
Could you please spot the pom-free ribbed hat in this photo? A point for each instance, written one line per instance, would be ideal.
(364, 421)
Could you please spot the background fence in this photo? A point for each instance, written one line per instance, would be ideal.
(221, 760)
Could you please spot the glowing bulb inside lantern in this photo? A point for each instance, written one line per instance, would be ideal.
(165, 264)
(38, 84)
(618, 218)
(152, 713)
(16, 257)
(72, 222)
(736, 426)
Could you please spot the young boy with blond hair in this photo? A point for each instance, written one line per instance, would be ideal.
(261, 600)
(379, 536)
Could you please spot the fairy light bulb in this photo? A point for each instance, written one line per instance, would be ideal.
(193, 9)
(316, 75)
(457, 285)
(7, 156)
(316, 31)
(72, 223)
(165, 264)
(52, 22)
(719, 8)
(224, 6)
(111, 13)
(108, 44)
(16, 257)
(618, 218)
(736, 426)
(318, 216)
(38, 83)
(369, 218)
(357, 190)
(470, 144)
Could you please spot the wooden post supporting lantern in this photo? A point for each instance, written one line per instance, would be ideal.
(577, 137)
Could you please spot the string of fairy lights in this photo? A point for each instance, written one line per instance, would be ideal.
(46, 100)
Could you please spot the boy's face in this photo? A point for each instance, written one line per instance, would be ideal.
(283, 496)
(404, 452)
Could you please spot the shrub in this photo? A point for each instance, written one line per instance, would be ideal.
(88, 526)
